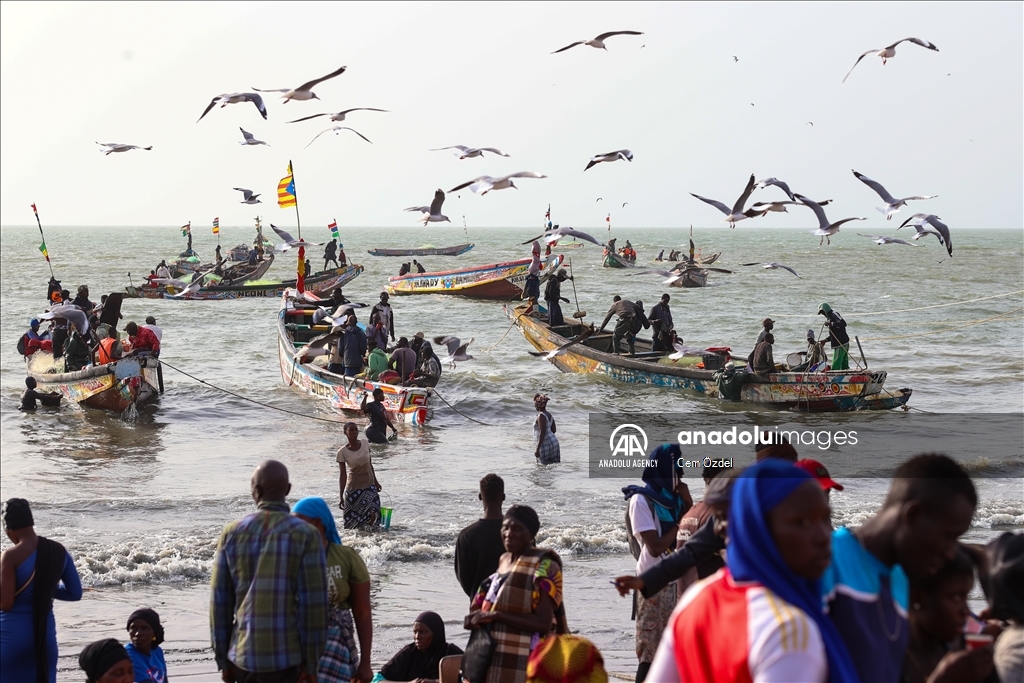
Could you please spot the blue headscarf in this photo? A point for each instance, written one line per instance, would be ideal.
(753, 556)
(660, 483)
(317, 509)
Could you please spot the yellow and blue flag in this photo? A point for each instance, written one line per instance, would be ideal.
(286, 190)
(216, 226)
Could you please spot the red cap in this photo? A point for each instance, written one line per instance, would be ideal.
(818, 471)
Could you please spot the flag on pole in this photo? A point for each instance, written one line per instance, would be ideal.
(186, 229)
(35, 210)
(216, 226)
(286, 190)
(46, 254)
(548, 214)
(333, 227)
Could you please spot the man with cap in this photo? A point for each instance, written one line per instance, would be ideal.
(552, 297)
(384, 314)
(33, 340)
(837, 336)
(417, 343)
(82, 300)
(820, 474)
(661, 325)
(154, 328)
(767, 325)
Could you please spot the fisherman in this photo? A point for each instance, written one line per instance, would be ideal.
(419, 266)
(417, 342)
(376, 360)
(403, 360)
(53, 287)
(108, 350)
(627, 311)
(660, 256)
(59, 336)
(342, 259)
(814, 357)
(76, 352)
(552, 297)
(142, 340)
(338, 298)
(337, 359)
(154, 328)
(162, 270)
(761, 360)
(355, 347)
(149, 280)
(375, 331)
(386, 315)
(331, 253)
(33, 340)
(640, 321)
(253, 256)
(838, 336)
(30, 396)
(308, 268)
(404, 270)
(429, 371)
(531, 288)
(82, 300)
(767, 326)
(661, 324)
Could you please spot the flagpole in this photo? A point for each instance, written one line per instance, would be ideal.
(297, 223)
(47, 253)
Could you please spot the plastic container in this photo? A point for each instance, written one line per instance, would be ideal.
(713, 361)
(386, 514)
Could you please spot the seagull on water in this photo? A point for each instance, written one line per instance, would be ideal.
(888, 52)
(432, 213)
(247, 196)
(235, 98)
(919, 219)
(337, 131)
(777, 183)
(338, 117)
(249, 139)
(892, 205)
(486, 183)
(552, 236)
(456, 349)
(772, 266)
(825, 229)
(618, 154)
(764, 208)
(290, 241)
(118, 147)
(471, 152)
(736, 213)
(304, 91)
(598, 42)
(882, 239)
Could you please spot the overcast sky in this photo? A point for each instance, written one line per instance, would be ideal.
(481, 74)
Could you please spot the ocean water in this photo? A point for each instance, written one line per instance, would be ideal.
(140, 503)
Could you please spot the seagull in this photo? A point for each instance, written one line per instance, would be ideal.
(235, 98)
(919, 219)
(888, 52)
(735, 58)
(318, 346)
(470, 152)
(247, 196)
(552, 236)
(456, 349)
(336, 131)
(598, 199)
(118, 147)
(432, 213)
(669, 276)
(779, 207)
(736, 213)
(892, 205)
(304, 91)
(190, 289)
(623, 154)
(882, 239)
(584, 334)
(777, 183)
(922, 231)
(598, 42)
(682, 350)
(73, 314)
(825, 229)
(337, 317)
(249, 139)
(290, 241)
(170, 282)
(340, 116)
(772, 266)
(486, 183)
(624, 204)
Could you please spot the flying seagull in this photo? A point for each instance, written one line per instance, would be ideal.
(337, 131)
(340, 116)
(735, 58)
(247, 196)
(825, 229)
(304, 91)
(892, 205)
(882, 239)
(598, 42)
(192, 288)
(432, 213)
(772, 266)
(290, 241)
(736, 213)
(921, 231)
(118, 147)
(777, 183)
(764, 208)
(486, 183)
(623, 154)
(235, 98)
(73, 314)
(584, 334)
(471, 152)
(336, 317)
(919, 219)
(888, 52)
(249, 139)
(552, 236)
(670, 277)
(456, 349)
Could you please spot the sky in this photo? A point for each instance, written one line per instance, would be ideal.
(708, 95)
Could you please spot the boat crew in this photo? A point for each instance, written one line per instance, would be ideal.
(331, 253)
(552, 297)
(627, 312)
(661, 322)
(837, 336)
(386, 315)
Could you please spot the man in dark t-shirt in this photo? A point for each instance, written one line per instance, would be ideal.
(479, 546)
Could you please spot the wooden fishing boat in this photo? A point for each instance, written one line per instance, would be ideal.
(698, 259)
(692, 277)
(842, 390)
(568, 245)
(613, 260)
(493, 281)
(116, 386)
(423, 251)
(320, 283)
(295, 328)
(243, 272)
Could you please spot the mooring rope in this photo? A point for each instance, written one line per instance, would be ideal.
(908, 310)
(948, 329)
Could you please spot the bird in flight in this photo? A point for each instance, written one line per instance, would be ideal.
(552, 236)
(888, 52)
(432, 213)
(772, 266)
(618, 154)
(485, 183)
(471, 152)
(598, 42)
(735, 58)
(825, 229)
(736, 213)
(247, 196)
(235, 98)
(304, 91)
(456, 349)
(249, 139)
(919, 219)
(337, 131)
(112, 147)
(338, 117)
(892, 205)
(882, 239)
(290, 241)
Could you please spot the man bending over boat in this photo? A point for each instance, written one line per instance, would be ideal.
(143, 341)
(627, 312)
(29, 398)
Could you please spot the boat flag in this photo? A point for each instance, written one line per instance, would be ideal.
(333, 227)
(216, 226)
(286, 190)
(42, 247)
(46, 254)
(608, 220)
(186, 229)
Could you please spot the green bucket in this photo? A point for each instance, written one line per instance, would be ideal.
(386, 514)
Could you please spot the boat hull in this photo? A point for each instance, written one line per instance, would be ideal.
(423, 251)
(116, 386)
(493, 281)
(616, 261)
(403, 404)
(819, 392)
(321, 283)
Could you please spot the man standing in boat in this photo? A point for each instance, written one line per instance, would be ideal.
(331, 254)
(661, 323)
(385, 314)
(837, 336)
(552, 297)
(627, 312)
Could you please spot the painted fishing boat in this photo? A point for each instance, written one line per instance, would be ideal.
(423, 251)
(320, 283)
(698, 259)
(613, 260)
(243, 272)
(830, 391)
(116, 386)
(493, 281)
(295, 328)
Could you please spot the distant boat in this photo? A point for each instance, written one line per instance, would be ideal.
(613, 260)
(492, 281)
(423, 251)
(320, 283)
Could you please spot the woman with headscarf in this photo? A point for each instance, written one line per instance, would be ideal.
(348, 595)
(33, 572)
(546, 447)
(761, 618)
(521, 603)
(106, 661)
(357, 482)
(429, 371)
(146, 633)
(419, 661)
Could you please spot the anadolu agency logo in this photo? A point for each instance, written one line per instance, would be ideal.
(628, 441)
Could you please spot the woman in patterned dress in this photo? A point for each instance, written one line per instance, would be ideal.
(547, 449)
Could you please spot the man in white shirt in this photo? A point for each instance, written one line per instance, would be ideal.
(154, 328)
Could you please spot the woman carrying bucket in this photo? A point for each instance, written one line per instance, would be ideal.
(357, 482)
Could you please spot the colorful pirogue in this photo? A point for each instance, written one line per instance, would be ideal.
(323, 282)
(493, 281)
(837, 391)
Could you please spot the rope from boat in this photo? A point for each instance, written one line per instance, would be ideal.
(490, 348)
(908, 310)
(471, 419)
(948, 329)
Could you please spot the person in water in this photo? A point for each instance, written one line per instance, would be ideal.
(379, 420)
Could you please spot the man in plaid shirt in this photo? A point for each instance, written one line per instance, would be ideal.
(268, 605)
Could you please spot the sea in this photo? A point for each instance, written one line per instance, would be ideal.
(139, 501)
